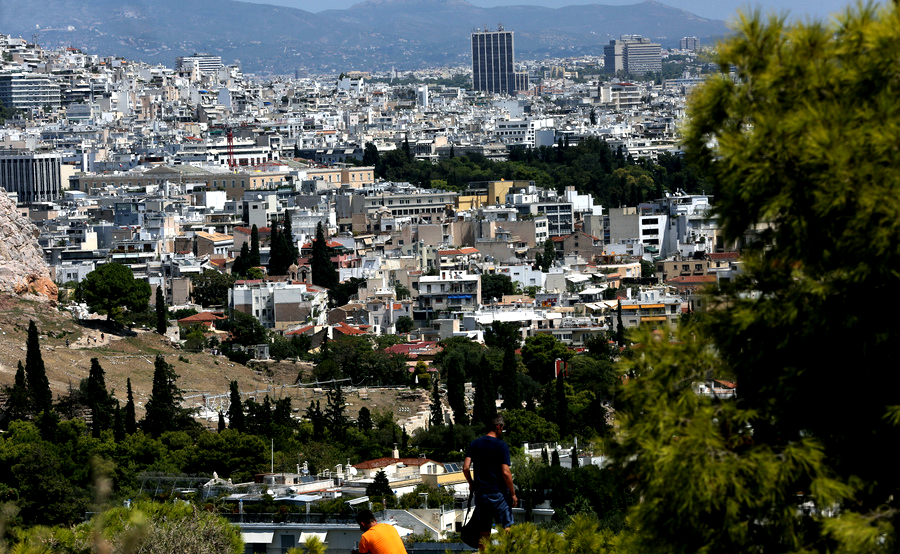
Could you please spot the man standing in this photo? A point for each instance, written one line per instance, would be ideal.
(495, 496)
(378, 538)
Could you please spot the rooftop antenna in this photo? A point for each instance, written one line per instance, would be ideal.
(500, 26)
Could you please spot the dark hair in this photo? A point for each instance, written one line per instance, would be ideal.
(365, 516)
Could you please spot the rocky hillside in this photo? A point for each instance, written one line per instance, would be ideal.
(22, 267)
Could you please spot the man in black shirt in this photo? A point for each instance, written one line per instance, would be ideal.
(495, 495)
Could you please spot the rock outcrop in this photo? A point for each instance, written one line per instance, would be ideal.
(23, 270)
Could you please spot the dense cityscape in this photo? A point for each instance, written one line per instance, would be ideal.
(257, 311)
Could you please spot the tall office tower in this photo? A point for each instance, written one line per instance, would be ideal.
(634, 54)
(493, 61)
(689, 43)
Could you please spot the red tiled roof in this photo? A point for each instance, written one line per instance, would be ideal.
(347, 330)
(300, 331)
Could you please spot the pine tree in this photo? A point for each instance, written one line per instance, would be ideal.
(130, 419)
(797, 139)
(235, 408)
(162, 313)
(381, 488)
(437, 408)
(36, 374)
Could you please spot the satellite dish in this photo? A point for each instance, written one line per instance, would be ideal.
(353, 470)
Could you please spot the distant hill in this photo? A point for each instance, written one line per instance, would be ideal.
(372, 35)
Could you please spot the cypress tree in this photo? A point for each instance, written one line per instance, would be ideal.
(118, 423)
(164, 411)
(292, 250)
(36, 374)
(235, 408)
(162, 314)
(562, 406)
(323, 273)
(98, 399)
(456, 388)
(437, 409)
(221, 421)
(130, 422)
(253, 260)
(335, 412)
(512, 391)
(620, 327)
(18, 402)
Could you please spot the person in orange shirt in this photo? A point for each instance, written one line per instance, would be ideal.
(378, 538)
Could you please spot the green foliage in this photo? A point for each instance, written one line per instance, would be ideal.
(246, 329)
(340, 293)
(437, 408)
(436, 498)
(18, 399)
(235, 408)
(98, 399)
(162, 313)
(495, 286)
(323, 272)
(404, 324)
(110, 287)
(526, 426)
(211, 287)
(36, 374)
(539, 355)
(798, 144)
(163, 410)
(380, 489)
(336, 412)
(253, 260)
(156, 528)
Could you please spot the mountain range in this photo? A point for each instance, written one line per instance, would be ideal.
(372, 35)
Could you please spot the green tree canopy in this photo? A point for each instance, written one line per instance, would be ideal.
(211, 287)
(110, 287)
(36, 373)
(164, 411)
(798, 135)
(495, 286)
(323, 272)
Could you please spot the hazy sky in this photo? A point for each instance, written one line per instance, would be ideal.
(715, 9)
